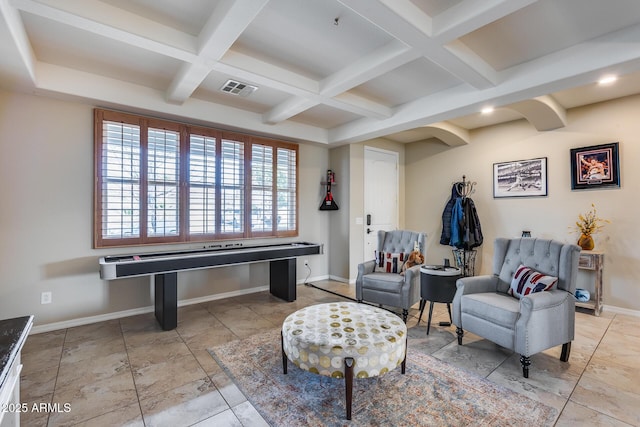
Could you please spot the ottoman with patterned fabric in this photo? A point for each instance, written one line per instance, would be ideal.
(344, 339)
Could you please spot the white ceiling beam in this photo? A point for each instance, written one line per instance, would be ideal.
(357, 104)
(449, 133)
(224, 26)
(469, 15)
(262, 73)
(113, 93)
(370, 66)
(112, 16)
(104, 23)
(377, 63)
(446, 132)
(255, 71)
(348, 102)
(398, 25)
(393, 55)
(228, 21)
(581, 64)
(289, 108)
(411, 13)
(467, 56)
(20, 39)
(190, 75)
(543, 112)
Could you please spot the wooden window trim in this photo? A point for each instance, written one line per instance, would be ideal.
(183, 193)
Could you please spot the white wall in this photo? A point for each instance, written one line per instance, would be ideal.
(431, 168)
(46, 213)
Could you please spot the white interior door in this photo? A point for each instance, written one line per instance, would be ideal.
(380, 196)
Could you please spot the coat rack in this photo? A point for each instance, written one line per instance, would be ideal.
(465, 258)
(465, 188)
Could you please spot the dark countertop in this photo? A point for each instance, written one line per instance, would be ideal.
(13, 334)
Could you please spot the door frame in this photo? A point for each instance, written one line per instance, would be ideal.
(396, 157)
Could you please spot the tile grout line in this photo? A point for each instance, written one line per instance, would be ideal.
(208, 376)
(135, 387)
(55, 383)
(588, 362)
(130, 371)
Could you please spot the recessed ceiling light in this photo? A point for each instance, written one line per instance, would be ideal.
(606, 80)
(487, 110)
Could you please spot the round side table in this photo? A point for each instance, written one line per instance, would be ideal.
(437, 284)
(343, 340)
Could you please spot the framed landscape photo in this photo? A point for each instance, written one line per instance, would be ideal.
(595, 167)
(520, 178)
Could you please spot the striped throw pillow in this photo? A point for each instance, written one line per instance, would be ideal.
(387, 262)
(527, 281)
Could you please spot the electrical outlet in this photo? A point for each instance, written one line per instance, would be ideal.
(45, 298)
(306, 263)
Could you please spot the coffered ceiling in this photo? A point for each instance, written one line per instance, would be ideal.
(327, 71)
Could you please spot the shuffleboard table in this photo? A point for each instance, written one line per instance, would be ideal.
(165, 267)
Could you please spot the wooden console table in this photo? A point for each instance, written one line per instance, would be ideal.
(594, 261)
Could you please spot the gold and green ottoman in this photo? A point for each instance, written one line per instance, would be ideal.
(344, 339)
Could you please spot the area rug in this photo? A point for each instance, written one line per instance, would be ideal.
(431, 393)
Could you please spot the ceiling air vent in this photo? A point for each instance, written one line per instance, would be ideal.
(237, 88)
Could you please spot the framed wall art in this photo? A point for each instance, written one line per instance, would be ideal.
(520, 178)
(595, 167)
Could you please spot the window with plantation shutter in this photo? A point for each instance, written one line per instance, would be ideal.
(120, 180)
(163, 155)
(287, 184)
(261, 188)
(232, 187)
(202, 185)
(165, 182)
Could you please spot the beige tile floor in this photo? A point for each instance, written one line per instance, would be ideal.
(130, 372)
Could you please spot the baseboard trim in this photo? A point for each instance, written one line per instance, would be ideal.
(143, 310)
(136, 311)
(312, 279)
(339, 279)
(620, 310)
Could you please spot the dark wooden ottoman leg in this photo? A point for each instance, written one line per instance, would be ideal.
(403, 366)
(284, 356)
(348, 380)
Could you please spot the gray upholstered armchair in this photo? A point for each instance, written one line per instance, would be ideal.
(392, 288)
(538, 320)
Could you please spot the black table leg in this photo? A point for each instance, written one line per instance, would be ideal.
(282, 279)
(430, 313)
(423, 302)
(450, 318)
(166, 300)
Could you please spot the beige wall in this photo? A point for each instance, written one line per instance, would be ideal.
(46, 197)
(339, 220)
(431, 168)
(46, 173)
